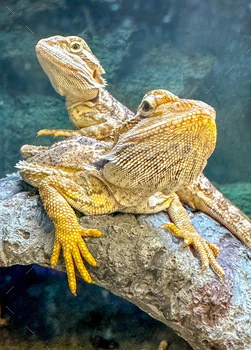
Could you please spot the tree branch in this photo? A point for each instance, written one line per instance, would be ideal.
(145, 265)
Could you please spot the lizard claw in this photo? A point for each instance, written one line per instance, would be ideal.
(207, 250)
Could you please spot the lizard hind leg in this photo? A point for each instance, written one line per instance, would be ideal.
(182, 227)
(54, 191)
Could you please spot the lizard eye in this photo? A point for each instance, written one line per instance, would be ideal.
(75, 47)
(146, 106)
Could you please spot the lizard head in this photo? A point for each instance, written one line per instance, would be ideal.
(70, 66)
(172, 115)
(167, 146)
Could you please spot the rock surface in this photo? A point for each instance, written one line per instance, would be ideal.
(145, 265)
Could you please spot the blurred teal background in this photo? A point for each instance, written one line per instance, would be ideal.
(195, 49)
(199, 50)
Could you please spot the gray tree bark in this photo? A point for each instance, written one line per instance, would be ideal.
(145, 265)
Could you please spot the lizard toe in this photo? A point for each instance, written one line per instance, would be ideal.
(85, 253)
(80, 266)
(70, 269)
(55, 254)
(90, 232)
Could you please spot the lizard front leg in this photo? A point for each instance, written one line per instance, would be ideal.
(205, 197)
(182, 227)
(98, 132)
(58, 195)
(92, 120)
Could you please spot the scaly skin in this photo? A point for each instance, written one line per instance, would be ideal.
(204, 196)
(163, 153)
(109, 117)
(75, 73)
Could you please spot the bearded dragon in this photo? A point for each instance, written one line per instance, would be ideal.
(165, 151)
(75, 73)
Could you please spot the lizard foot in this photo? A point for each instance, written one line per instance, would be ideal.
(69, 238)
(207, 251)
(56, 132)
